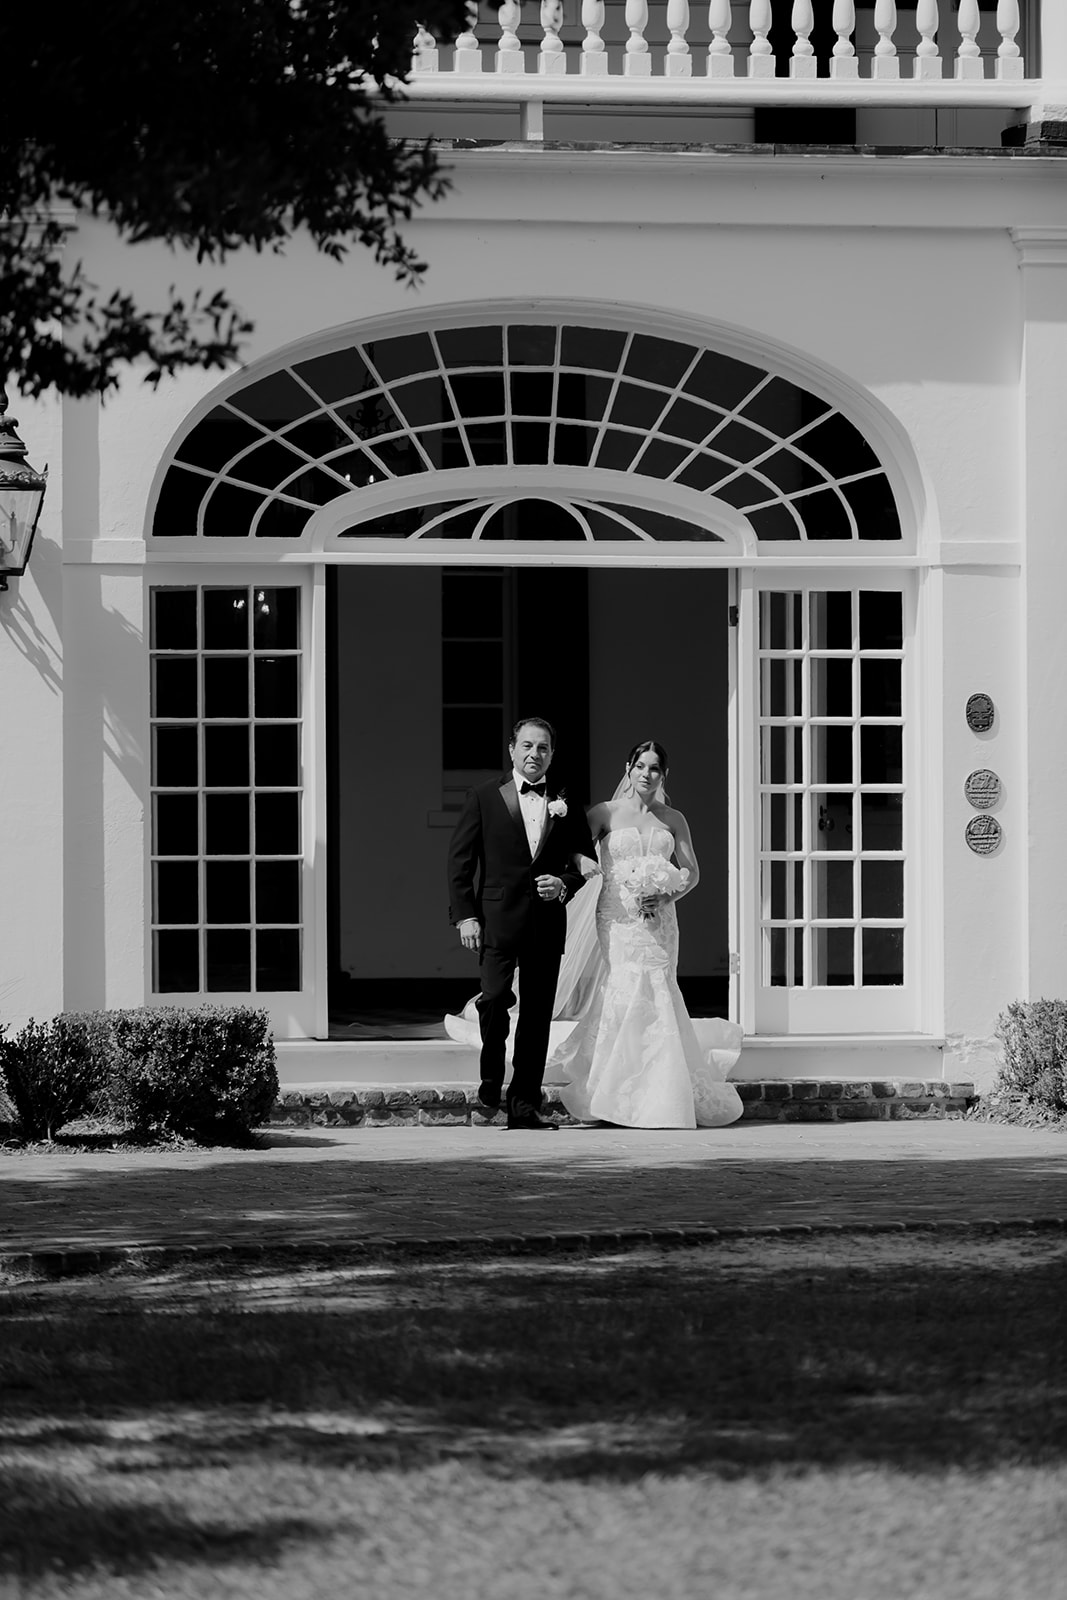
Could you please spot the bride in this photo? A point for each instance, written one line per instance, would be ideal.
(634, 1058)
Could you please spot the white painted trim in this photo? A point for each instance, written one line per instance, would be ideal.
(1041, 247)
(572, 89)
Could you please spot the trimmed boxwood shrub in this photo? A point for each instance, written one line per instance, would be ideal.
(1032, 1083)
(207, 1073)
(53, 1072)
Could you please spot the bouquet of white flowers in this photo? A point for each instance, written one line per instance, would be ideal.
(643, 876)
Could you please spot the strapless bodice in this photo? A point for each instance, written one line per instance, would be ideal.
(623, 844)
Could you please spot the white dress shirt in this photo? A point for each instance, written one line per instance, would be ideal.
(534, 808)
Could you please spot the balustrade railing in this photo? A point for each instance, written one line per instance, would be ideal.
(959, 53)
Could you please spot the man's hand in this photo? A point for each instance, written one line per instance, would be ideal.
(470, 933)
(548, 887)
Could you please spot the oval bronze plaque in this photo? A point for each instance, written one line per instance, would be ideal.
(983, 835)
(982, 789)
(980, 713)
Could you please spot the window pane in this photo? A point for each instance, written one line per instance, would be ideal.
(783, 889)
(471, 605)
(529, 443)
(489, 443)
(831, 821)
(174, 686)
(226, 756)
(277, 824)
(225, 619)
(227, 824)
(276, 619)
(229, 965)
(658, 360)
(634, 407)
(881, 755)
(277, 681)
(617, 449)
(227, 891)
(831, 620)
(832, 888)
(881, 620)
(831, 687)
(400, 357)
(174, 618)
(531, 394)
(882, 885)
(834, 957)
(880, 688)
(337, 376)
(278, 891)
(831, 754)
(277, 749)
(176, 962)
(473, 740)
(175, 764)
(581, 396)
(277, 959)
(473, 673)
(480, 394)
(882, 817)
(470, 347)
(531, 347)
(883, 957)
(783, 822)
(781, 622)
(177, 891)
(781, 688)
(225, 686)
(600, 348)
(782, 755)
(177, 830)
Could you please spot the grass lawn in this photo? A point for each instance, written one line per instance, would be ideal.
(850, 1418)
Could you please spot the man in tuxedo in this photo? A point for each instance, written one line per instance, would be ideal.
(512, 865)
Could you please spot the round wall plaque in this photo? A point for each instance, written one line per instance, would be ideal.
(983, 835)
(982, 789)
(980, 713)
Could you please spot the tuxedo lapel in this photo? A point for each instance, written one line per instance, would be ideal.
(510, 796)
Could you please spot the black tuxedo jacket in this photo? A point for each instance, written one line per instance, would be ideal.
(491, 874)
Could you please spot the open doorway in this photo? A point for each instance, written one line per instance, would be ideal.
(428, 668)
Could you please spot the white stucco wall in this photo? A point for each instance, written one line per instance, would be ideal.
(898, 278)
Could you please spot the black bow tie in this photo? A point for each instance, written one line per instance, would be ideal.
(533, 788)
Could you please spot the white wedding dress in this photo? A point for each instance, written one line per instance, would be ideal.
(634, 1057)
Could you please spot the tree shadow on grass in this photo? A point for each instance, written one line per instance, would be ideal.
(591, 1181)
(50, 1523)
(597, 1369)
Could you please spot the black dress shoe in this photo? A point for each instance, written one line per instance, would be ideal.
(488, 1097)
(521, 1115)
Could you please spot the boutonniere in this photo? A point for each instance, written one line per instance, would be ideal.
(557, 807)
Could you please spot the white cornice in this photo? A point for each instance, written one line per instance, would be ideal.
(1041, 247)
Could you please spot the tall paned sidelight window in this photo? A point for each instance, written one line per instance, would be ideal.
(226, 789)
(833, 809)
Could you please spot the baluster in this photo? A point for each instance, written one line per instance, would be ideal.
(760, 55)
(927, 63)
(551, 58)
(594, 50)
(969, 57)
(843, 63)
(802, 63)
(720, 56)
(679, 61)
(638, 61)
(425, 55)
(1009, 56)
(509, 57)
(468, 51)
(885, 63)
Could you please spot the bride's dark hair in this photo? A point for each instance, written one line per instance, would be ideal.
(648, 744)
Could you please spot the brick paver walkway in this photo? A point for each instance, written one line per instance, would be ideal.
(343, 1188)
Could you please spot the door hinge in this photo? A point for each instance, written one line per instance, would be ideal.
(734, 616)
(735, 963)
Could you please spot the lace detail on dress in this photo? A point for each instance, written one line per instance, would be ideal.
(634, 1058)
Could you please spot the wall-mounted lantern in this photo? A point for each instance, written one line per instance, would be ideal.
(22, 490)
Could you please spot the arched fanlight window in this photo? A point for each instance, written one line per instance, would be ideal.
(526, 394)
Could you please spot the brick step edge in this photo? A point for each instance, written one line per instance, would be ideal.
(772, 1100)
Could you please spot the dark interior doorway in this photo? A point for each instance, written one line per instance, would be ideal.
(428, 669)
